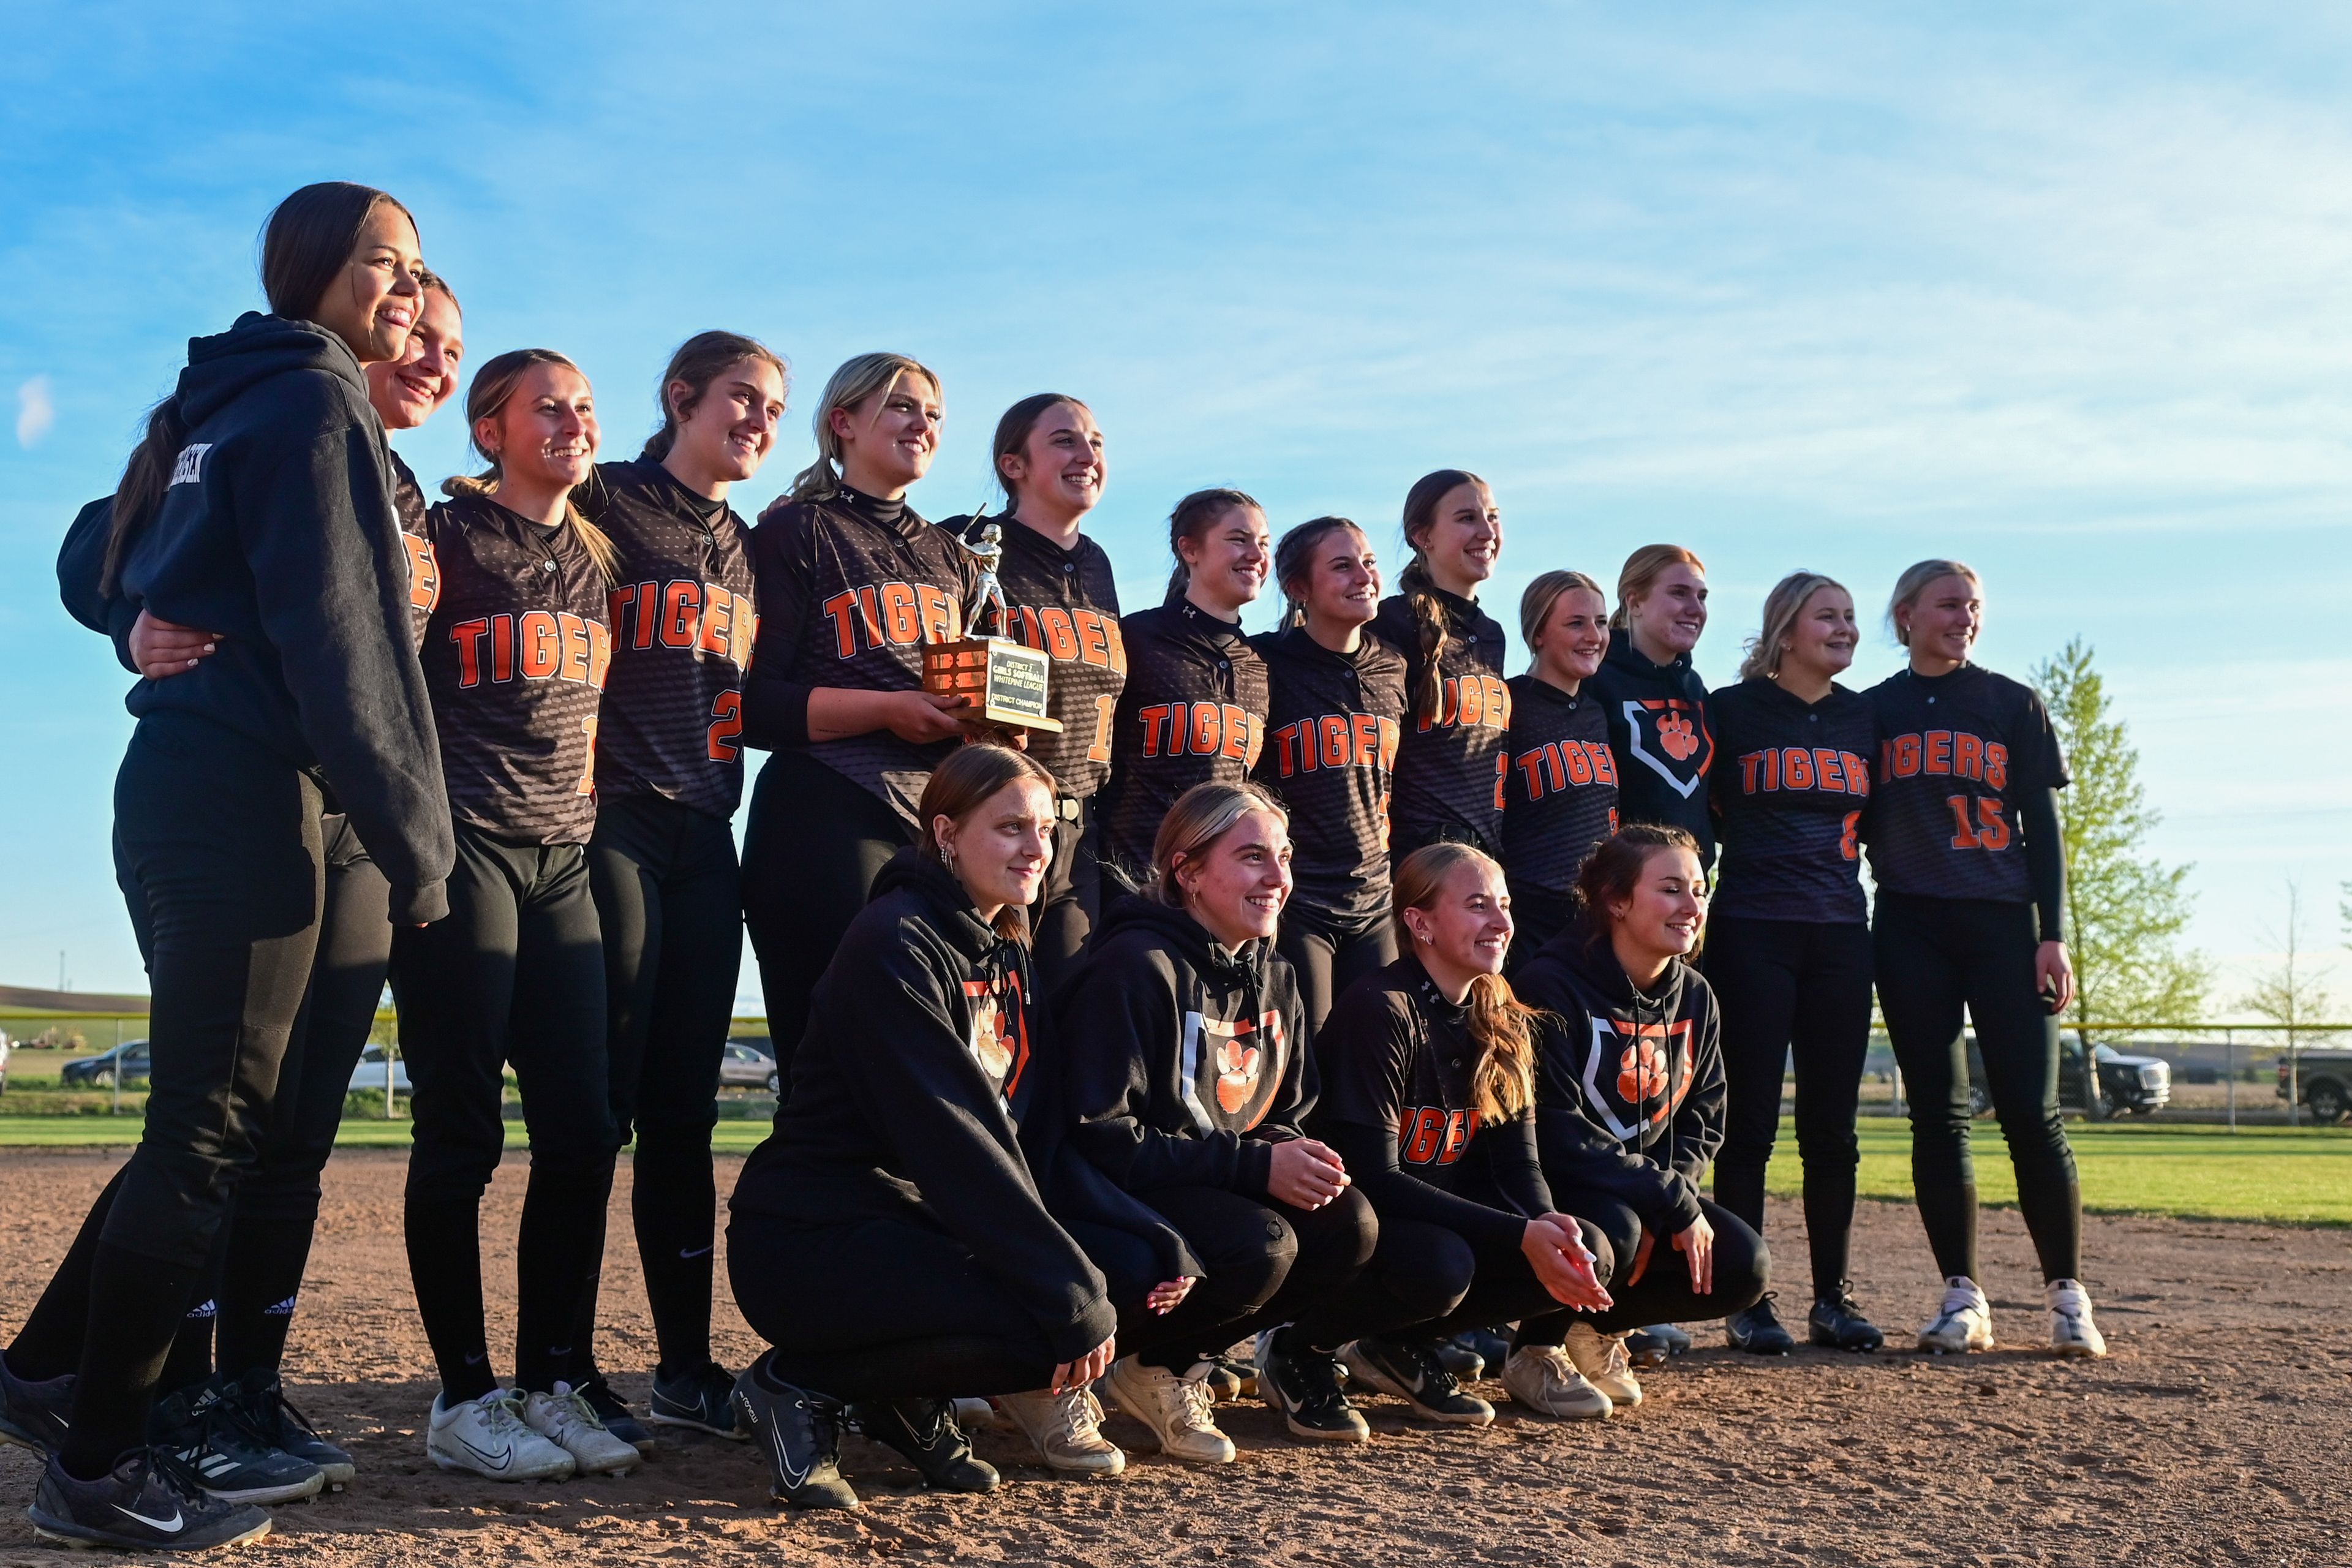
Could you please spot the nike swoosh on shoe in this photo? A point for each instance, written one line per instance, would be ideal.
(172, 1526)
(496, 1462)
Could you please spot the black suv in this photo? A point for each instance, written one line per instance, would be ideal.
(2129, 1085)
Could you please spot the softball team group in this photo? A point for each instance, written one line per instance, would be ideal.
(1330, 990)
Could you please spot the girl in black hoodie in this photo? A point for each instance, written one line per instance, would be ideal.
(1449, 767)
(1188, 1074)
(1654, 700)
(896, 1239)
(1629, 1100)
(258, 504)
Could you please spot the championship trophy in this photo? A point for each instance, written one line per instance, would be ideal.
(1003, 681)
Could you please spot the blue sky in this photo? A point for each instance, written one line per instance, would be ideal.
(1837, 288)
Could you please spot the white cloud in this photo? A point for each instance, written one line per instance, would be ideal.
(34, 412)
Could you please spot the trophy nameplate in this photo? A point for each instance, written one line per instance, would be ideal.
(1004, 679)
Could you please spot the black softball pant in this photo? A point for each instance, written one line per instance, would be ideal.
(1070, 903)
(812, 848)
(1267, 1263)
(669, 902)
(1786, 986)
(515, 973)
(1937, 956)
(1743, 1267)
(219, 852)
(881, 1309)
(1327, 961)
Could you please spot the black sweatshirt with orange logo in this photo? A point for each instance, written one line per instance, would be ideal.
(1449, 767)
(1192, 710)
(1790, 791)
(1066, 603)
(1560, 798)
(684, 619)
(1960, 757)
(1659, 730)
(515, 657)
(850, 589)
(1333, 722)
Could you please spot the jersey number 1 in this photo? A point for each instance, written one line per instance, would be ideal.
(1105, 711)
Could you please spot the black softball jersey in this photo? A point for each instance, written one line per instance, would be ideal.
(1188, 1060)
(1065, 602)
(515, 656)
(1333, 723)
(1789, 800)
(850, 589)
(1659, 730)
(1192, 710)
(1449, 766)
(1958, 755)
(409, 504)
(684, 618)
(1396, 1060)
(1560, 796)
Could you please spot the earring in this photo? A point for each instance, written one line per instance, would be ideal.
(946, 854)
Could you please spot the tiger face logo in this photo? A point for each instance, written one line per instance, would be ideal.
(1676, 737)
(1641, 1072)
(1237, 1071)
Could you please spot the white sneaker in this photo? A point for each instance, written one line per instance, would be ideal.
(1065, 1430)
(1603, 1359)
(487, 1436)
(1542, 1379)
(566, 1419)
(2072, 1331)
(1963, 1324)
(1177, 1410)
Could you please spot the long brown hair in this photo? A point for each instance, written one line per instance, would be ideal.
(699, 362)
(1012, 431)
(1201, 816)
(306, 239)
(1501, 1026)
(1783, 606)
(1194, 516)
(1419, 590)
(1293, 563)
(858, 380)
(1613, 870)
(959, 786)
(494, 383)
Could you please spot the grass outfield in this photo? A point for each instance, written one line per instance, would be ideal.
(2292, 1175)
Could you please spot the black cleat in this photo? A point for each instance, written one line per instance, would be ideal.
(1757, 1330)
(1460, 1358)
(148, 1502)
(1414, 1374)
(205, 1430)
(1303, 1385)
(1837, 1323)
(261, 1401)
(617, 1416)
(1650, 1347)
(1230, 1379)
(801, 1432)
(33, 1415)
(924, 1432)
(699, 1401)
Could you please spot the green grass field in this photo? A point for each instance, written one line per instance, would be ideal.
(2291, 1175)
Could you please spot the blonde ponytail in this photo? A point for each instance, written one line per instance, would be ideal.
(1501, 1026)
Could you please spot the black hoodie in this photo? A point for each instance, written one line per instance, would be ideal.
(1188, 1061)
(923, 1091)
(1658, 728)
(278, 531)
(1629, 1091)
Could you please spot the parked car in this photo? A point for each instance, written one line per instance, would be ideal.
(369, 1072)
(745, 1066)
(2129, 1085)
(2326, 1079)
(124, 1062)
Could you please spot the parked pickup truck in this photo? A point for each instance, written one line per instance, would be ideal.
(2129, 1085)
(2326, 1077)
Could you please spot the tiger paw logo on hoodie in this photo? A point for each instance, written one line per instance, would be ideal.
(1235, 1065)
(1653, 1065)
(1641, 1072)
(1676, 738)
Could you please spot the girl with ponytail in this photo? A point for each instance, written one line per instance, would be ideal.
(1428, 1072)
(1449, 767)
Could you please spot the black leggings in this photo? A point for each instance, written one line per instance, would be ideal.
(1935, 956)
(515, 973)
(1743, 1267)
(220, 851)
(1265, 1262)
(1070, 903)
(1328, 961)
(1778, 984)
(881, 1309)
(812, 848)
(669, 902)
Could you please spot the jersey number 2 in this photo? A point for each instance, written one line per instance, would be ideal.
(726, 723)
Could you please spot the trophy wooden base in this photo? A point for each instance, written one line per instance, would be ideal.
(1003, 679)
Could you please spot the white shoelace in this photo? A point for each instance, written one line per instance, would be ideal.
(1959, 1299)
(1199, 1406)
(1077, 1413)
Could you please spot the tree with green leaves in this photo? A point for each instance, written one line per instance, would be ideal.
(2124, 910)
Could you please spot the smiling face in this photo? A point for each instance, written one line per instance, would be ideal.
(1237, 886)
(1663, 918)
(371, 303)
(1942, 623)
(1573, 640)
(731, 426)
(1001, 847)
(1462, 538)
(1343, 580)
(1228, 560)
(1822, 638)
(1669, 618)
(407, 391)
(546, 436)
(1464, 931)
(888, 440)
(1059, 471)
